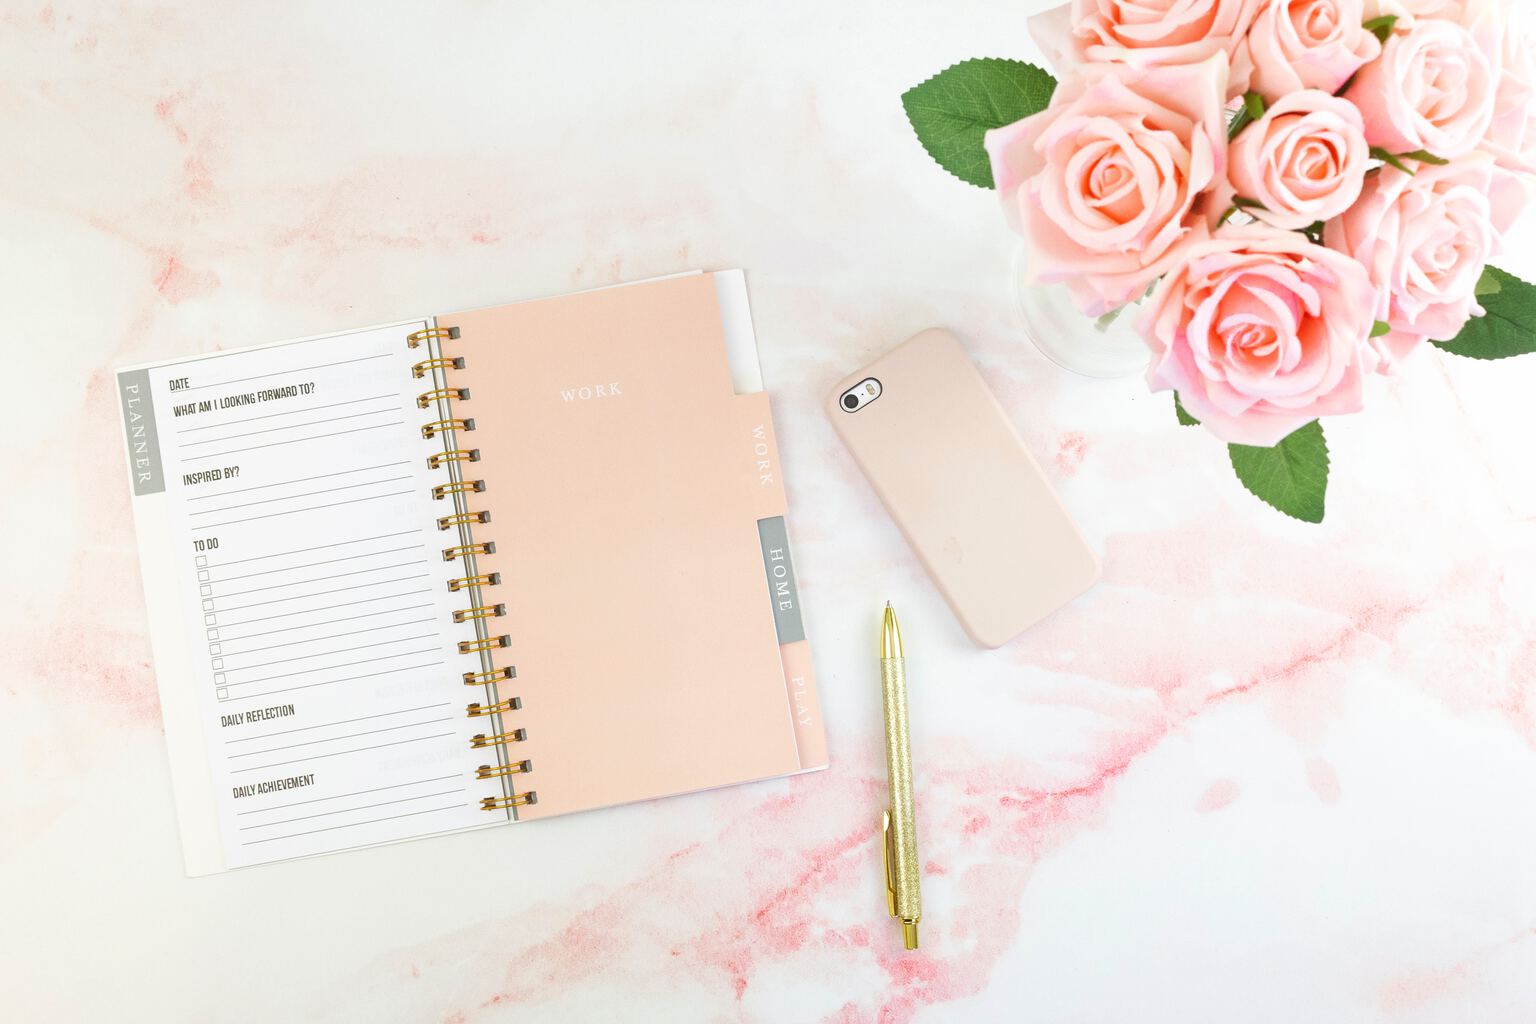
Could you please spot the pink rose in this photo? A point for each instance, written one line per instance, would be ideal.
(1260, 332)
(1143, 33)
(1303, 162)
(1502, 30)
(1432, 89)
(1424, 240)
(1304, 44)
(1512, 135)
(1408, 10)
(1104, 184)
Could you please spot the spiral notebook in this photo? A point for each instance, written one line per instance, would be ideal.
(478, 568)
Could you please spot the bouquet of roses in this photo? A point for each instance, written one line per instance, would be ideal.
(1297, 193)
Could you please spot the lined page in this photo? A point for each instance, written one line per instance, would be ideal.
(307, 571)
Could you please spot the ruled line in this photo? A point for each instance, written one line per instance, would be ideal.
(343, 796)
(331, 682)
(327, 654)
(311, 508)
(355, 824)
(334, 739)
(293, 497)
(317, 547)
(300, 480)
(327, 668)
(327, 622)
(277, 373)
(347, 810)
(298, 440)
(341, 753)
(324, 561)
(344, 721)
(291, 426)
(322, 579)
(322, 593)
(325, 608)
(290, 412)
(319, 639)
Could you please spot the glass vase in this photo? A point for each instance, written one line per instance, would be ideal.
(1107, 349)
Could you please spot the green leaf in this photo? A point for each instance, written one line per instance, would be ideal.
(1185, 419)
(1508, 329)
(1238, 203)
(1315, 232)
(1489, 284)
(954, 109)
(1292, 476)
(1382, 26)
(1108, 320)
(1251, 110)
(1392, 159)
(1422, 156)
(1380, 329)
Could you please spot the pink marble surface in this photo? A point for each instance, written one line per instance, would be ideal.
(1265, 772)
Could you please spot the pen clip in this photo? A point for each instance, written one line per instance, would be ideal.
(887, 855)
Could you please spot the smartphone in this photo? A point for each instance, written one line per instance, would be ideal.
(970, 498)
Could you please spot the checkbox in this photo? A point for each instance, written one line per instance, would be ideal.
(209, 620)
(207, 605)
(218, 679)
(202, 560)
(205, 590)
(218, 662)
(223, 694)
(213, 634)
(202, 575)
(215, 648)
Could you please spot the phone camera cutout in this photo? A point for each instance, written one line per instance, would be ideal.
(861, 394)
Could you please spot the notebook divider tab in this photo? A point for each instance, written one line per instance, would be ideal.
(441, 401)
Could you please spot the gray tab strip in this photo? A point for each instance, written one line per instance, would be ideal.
(143, 435)
(774, 537)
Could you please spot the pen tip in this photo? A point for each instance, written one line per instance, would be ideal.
(887, 604)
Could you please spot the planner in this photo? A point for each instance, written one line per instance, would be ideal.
(478, 568)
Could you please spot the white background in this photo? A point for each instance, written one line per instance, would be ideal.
(1265, 772)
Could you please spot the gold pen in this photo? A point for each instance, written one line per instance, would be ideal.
(899, 827)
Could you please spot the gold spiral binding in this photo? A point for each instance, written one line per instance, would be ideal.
(417, 338)
(480, 740)
(442, 491)
(481, 710)
(484, 611)
(441, 459)
(436, 427)
(489, 579)
(427, 398)
(516, 800)
(460, 550)
(494, 706)
(493, 676)
(496, 771)
(426, 366)
(490, 643)
(461, 518)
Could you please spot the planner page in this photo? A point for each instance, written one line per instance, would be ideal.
(299, 601)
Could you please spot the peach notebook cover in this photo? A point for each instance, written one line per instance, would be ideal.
(639, 533)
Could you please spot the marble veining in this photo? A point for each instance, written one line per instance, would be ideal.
(1264, 772)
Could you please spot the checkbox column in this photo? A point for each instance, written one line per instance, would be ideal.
(211, 623)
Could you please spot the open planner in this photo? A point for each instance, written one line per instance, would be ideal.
(472, 569)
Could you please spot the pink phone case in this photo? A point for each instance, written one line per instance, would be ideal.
(967, 494)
